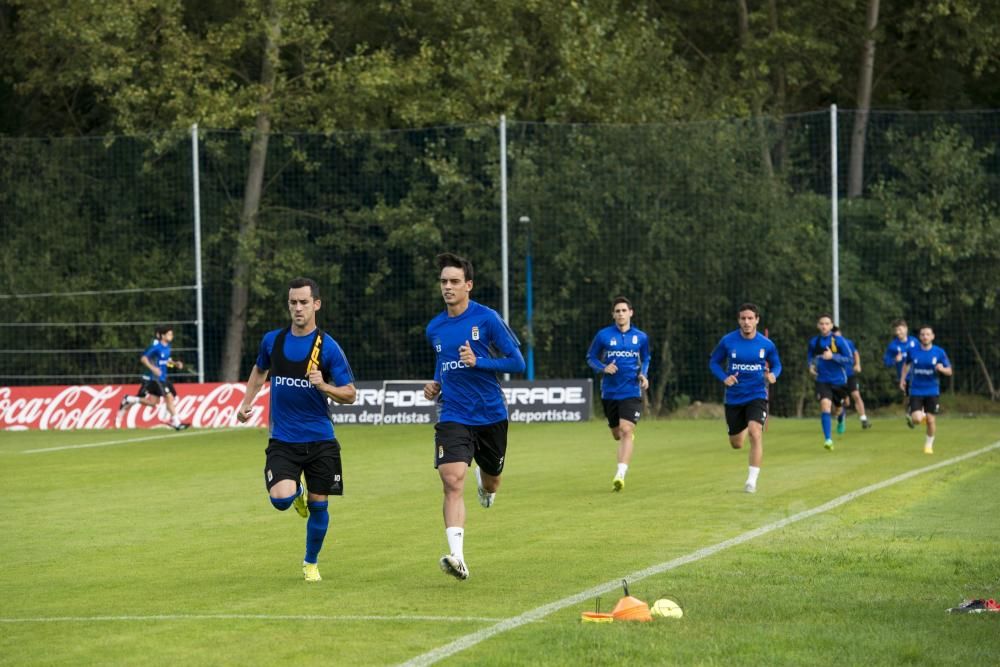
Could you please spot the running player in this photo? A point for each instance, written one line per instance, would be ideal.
(853, 386)
(828, 357)
(155, 384)
(746, 362)
(898, 348)
(307, 369)
(621, 352)
(923, 364)
(472, 344)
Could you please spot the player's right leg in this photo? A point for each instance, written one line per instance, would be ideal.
(454, 446)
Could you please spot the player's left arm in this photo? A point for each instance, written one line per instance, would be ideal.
(944, 365)
(341, 389)
(644, 360)
(774, 364)
(504, 344)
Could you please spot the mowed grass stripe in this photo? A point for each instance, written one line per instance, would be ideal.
(541, 612)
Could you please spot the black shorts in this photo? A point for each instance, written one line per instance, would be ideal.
(852, 384)
(629, 409)
(739, 416)
(157, 388)
(319, 460)
(836, 393)
(487, 444)
(929, 404)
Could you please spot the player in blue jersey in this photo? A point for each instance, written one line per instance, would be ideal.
(898, 348)
(307, 368)
(828, 356)
(155, 383)
(853, 386)
(923, 364)
(472, 344)
(746, 362)
(621, 353)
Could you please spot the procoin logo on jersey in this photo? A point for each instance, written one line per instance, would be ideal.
(281, 381)
(475, 333)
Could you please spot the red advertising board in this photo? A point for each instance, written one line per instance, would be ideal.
(208, 405)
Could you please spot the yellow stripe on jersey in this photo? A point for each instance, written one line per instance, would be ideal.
(314, 355)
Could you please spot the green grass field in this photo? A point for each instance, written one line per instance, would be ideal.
(166, 551)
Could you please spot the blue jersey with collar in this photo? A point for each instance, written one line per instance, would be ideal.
(630, 352)
(830, 371)
(158, 354)
(923, 374)
(298, 409)
(472, 395)
(747, 359)
(895, 347)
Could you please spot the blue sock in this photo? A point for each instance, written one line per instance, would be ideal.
(827, 422)
(319, 521)
(840, 417)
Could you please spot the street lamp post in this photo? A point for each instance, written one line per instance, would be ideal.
(529, 301)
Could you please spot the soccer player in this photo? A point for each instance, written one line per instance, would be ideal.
(898, 348)
(472, 344)
(307, 368)
(828, 357)
(853, 386)
(621, 352)
(922, 366)
(155, 384)
(746, 362)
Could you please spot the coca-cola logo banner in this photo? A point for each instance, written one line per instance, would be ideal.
(208, 405)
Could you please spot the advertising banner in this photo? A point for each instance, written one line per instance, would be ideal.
(214, 405)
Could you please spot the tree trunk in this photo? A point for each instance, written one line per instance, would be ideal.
(994, 394)
(856, 172)
(756, 105)
(246, 245)
(780, 95)
(666, 370)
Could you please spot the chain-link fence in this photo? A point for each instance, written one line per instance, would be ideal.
(687, 220)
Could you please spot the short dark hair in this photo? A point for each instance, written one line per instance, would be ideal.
(898, 323)
(451, 259)
(621, 299)
(748, 306)
(925, 326)
(305, 282)
(162, 329)
(826, 315)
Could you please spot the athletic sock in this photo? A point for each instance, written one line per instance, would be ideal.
(929, 441)
(840, 417)
(827, 424)
(131, 400)
(281, 504)
(316, 527)
(456, 539)
(622, 469)
(863, 418)
(752, 475)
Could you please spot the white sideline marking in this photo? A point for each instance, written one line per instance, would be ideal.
(538, 613)
(127, 441)
(252, 617)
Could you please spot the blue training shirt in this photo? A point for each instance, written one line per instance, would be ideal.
(298, 409)
(747, 359)
(630, 352)
(830, 371)
(472, 395)
(158, 354)
(923, 374)
(895, 347)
